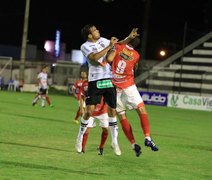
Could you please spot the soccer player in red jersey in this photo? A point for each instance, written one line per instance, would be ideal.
(124, 59)
(76, 88)
(100, 113)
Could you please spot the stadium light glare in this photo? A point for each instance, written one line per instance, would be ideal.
(162, 53)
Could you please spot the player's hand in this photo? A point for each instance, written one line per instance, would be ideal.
(134, 33)
(113, 41)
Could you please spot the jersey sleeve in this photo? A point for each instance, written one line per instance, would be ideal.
(86, 50)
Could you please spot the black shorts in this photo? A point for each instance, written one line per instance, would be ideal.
(97, 89)
(43, 91)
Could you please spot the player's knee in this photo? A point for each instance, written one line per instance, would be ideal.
(105, 130)
(87, 114)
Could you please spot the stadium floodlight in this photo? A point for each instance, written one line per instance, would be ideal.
(24, 40)
(162, 53)
(108, 1)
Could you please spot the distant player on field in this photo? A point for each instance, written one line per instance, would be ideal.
(42, 93)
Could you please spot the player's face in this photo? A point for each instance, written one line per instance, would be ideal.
(46, 69)
(83, 74)
(95, 33)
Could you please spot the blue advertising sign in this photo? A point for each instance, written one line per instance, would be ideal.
(153, 98)
(57, 44)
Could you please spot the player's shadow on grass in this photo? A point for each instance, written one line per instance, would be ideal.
(38, 118)
(42, 167)
(35, 146)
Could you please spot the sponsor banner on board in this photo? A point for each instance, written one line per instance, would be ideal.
(190, 102)
(153, 98)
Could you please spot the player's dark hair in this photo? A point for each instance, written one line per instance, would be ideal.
(84, 69)
(85, 31)
(44, 66)
(135, 42)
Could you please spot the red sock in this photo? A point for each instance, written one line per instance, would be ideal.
(84, 140)
(48, 100)
(126, 127)
(77, 114)
(103, 138)
(145, 124)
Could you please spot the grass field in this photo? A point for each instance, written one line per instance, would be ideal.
(38, 144)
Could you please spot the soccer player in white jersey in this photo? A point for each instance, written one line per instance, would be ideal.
(42, 88)
(100, 113)
(99, 81)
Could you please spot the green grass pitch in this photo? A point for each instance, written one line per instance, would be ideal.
(38, 144)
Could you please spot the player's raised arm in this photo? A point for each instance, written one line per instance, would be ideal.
(132, 35)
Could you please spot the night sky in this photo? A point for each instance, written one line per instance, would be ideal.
(165, 21)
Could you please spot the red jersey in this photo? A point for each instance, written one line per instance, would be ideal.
(100, 108)
(84, 89)
(123, 66)
(77, 86)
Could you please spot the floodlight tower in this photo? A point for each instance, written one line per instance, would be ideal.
(24, 41)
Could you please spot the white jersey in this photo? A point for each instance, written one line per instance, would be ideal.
(96, 72)
(42, 77)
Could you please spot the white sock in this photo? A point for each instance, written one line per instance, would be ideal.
(113, 129)
(133, 145)
(43, 102)
(148, 138)
(82, 129)
(36, 99)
